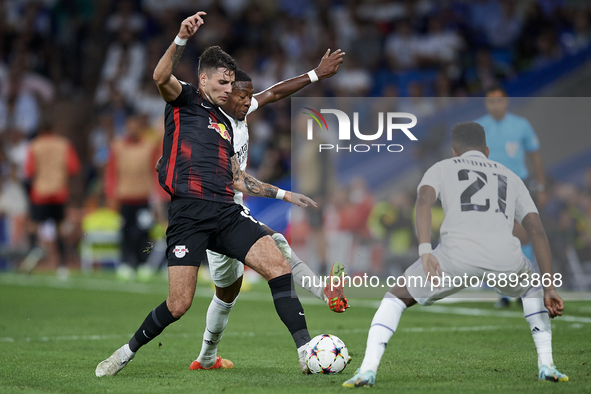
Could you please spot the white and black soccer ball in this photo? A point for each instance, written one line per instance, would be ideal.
(326, 354)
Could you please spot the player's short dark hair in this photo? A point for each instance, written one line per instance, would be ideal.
(242, 76)
(466, 136)
(496, 88)
(214, 58)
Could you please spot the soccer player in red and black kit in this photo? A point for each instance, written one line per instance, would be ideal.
(200, 172)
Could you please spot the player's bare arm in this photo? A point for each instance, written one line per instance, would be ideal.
(329, 65)
(248, 184)
(533, 225)
(168, 85)
(425, 200)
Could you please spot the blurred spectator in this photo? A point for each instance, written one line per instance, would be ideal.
(485, 75)
(337, 228)
(100, 139)
(50, 161)
(19, 107)
(366, 47)
(503, 29)
(101, 240)
(362, 201)
(16, 149)
(548, 49)
(14, 206)
(418, 104)
(126, 18)
(481, 11)
(533, 24)
(123, 68)
(582, 32)
(347, 235)
(119, 110)
(71, 20)
(438, 46)
(129, 184)
(352, 80)
(391, 222)
(401, 47)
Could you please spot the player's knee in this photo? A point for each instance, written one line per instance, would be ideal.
(179, 307)
(281, 269)
(403, 294)
(278, 263)
(229, 294)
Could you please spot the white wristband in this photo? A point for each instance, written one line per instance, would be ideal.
(425, 248)
(280, 194)
(313, 76)
(180, 41)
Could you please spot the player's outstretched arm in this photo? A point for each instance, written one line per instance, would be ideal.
(425, 200)
(247, 184)
(329, 65)
(169, 87)
(533, 225)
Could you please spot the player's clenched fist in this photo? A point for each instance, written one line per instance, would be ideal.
(190, 25)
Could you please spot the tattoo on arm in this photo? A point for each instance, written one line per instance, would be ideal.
(237, 172)
(176, 56)
(251, 185)
(258, 188)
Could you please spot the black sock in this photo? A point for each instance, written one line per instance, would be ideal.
(289, 308)
(155, 323)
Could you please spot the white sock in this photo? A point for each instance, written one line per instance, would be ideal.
(536, 316)
(128, 353)
(383, 326)
(299, 269)
(216, 321)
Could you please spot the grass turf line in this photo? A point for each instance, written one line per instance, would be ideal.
(431, 352)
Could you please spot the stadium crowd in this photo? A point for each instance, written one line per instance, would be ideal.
(85, 68)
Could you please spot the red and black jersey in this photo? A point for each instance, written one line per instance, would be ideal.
(197, 149)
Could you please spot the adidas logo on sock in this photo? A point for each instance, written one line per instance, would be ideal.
(384, 344)
(535, 329)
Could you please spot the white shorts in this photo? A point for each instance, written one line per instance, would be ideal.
(420, 288)
(224, 270)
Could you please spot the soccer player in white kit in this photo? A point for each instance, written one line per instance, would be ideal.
(481, 199)
(227, 273)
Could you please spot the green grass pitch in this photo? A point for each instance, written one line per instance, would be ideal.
(53, 334)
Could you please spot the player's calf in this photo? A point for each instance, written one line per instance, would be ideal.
(266, 259)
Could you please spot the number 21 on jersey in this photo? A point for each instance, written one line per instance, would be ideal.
(474, 187)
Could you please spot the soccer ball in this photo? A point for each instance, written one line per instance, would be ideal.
(326, 354)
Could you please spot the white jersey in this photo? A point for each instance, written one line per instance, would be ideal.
(480, 198)
(241, 138)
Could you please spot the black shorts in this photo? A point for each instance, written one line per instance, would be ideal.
(196, 225)
(43, 212)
